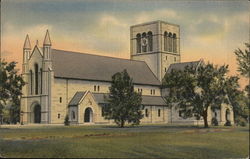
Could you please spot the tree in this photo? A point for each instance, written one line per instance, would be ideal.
(10, 89)
(195, 90)
(237, 98)
(243, 60)
(124, 104)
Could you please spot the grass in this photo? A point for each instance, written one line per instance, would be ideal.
(147, 141)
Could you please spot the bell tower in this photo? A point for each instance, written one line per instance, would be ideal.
(157, 43)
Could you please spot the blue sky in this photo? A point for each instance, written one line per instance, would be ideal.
(211, 30)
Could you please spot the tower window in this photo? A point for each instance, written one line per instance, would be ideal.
(138, 43)
(144, 42)
(98, 88)
(151, 91)
(94, 87)
(165, 41)
(170, 42)
(58, 116)
(174, 43)
(154, 92)
(150, 41)
(60, 99)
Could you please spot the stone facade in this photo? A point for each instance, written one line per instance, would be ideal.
(46, 98)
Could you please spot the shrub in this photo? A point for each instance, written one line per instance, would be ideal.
(214, 121)
(241, 121)
(66, 120)
(228, 123)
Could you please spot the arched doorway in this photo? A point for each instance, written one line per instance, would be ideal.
(37, 113)
(88, 115)
(227, 115)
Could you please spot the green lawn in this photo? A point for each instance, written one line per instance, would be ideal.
(148, 141)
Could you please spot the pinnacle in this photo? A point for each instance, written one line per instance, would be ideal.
(47, 39)
(27, 43)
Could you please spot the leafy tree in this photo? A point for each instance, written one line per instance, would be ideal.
(194, 90)
(243, 59)
(237, 98)
(11, 84)
(124, 104)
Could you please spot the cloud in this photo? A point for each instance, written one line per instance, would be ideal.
(162, 14)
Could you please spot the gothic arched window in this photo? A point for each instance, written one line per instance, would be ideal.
(138, 43)
(31, 82)
(41, 72)
(150, 41)
(144, 42)
(170, 42)
(36, 78)
(174, 43)
(165, 41)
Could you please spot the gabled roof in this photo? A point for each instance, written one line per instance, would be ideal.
(146, 100)
(182, 65)
(76, 98)
(74, 65)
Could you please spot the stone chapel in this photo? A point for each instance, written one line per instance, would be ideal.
(60, 82)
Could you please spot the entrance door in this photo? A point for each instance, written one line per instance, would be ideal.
(37, 114)
(88, 115)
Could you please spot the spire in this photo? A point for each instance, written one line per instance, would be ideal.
(27, 43)
(47, 39)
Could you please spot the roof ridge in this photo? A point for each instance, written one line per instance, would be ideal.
(77, 52)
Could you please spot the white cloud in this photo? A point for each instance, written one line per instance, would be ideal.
(163, 14)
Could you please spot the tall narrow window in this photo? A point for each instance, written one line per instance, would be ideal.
(159, 112)
(154, 92)
(174, 43)
(144, 42)
(146, 112)
(94, 87)
(60, 99)
(41, 72)
(98, 88)
(170, 42)
(31, 82)
(138, 43)
(36, 78)
(73, 116)
(165, 41)
(150, 41)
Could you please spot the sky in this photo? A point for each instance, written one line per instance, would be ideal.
(210, 30)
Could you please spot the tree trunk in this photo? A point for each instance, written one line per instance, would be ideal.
(122, 123)
(205, 119)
